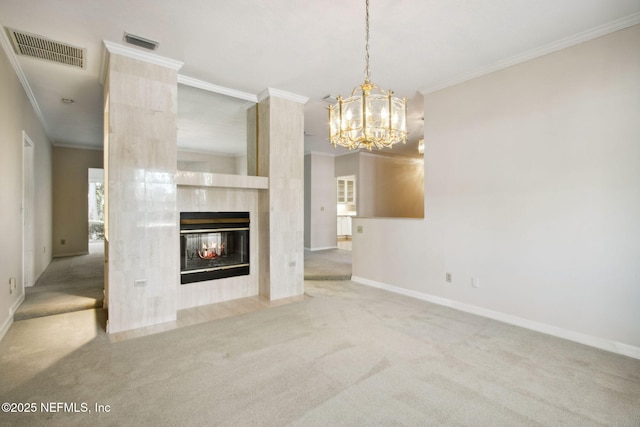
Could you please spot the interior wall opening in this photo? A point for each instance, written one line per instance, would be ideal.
(96, 204)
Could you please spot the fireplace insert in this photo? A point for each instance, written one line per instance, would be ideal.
(213, 245)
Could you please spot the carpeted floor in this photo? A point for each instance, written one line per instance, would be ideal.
(330, 264)
(67, 284)
(77, 282)
(347, 355)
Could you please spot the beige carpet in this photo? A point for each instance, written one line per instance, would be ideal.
(77, 282)
(347, 355)
(67, 284)
(330, 264)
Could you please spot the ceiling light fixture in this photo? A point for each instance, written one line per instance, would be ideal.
(366, 119)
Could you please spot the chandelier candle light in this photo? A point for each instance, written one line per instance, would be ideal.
(370, 117)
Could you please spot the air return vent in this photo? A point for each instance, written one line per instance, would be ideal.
(140, 41)
(35, 46)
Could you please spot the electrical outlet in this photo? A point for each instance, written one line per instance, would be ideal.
(62, 242)
(139, 283)
(12, 285)
(447, 277)
(475, 282)
(360, 229)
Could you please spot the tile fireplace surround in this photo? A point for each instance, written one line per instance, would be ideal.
(145, 193)
(202, 192)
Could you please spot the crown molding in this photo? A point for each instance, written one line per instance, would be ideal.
(319, 153)
(129, 52)
(6, 45)
(79, 147)
(347, 153)
(200, 84)
(269, 92)
(582, 37)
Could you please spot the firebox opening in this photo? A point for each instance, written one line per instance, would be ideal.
(213, 245)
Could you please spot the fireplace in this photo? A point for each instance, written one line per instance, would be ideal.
(213, 245)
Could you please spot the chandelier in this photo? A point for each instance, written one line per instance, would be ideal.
(370, 117)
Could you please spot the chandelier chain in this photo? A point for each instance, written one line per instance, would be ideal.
(367, 74)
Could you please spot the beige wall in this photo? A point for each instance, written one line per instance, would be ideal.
(387, 186)
(391, 187)
(70, 206)
(17, 115)
(532, 186)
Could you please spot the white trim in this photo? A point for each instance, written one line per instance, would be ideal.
(12, 311)
(104, 64)
(269, 92)
(151, 58)
(200, 84)
(79, 147)
(320, 249)
(597, 342)
(6, 44)
(319, 153)
(17, 304)
(5, 328)
(346, 153)
(378, 155)
(582, 37)
(70, 254)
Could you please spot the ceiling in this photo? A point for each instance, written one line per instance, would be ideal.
(309, 48)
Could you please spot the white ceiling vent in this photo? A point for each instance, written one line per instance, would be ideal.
(140, 41)
(35, 46)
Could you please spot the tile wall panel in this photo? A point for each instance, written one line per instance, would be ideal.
(142, 215)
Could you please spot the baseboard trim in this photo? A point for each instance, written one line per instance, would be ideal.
(601, 343)
(9, 321)
(321, 249)
(5, 327)
(70, 254)
(16, 304)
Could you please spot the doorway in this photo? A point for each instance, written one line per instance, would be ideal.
(346, 191)
(96, 210)
(28, 256)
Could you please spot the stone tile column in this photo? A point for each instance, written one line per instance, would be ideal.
(142, 259)
(281, 207)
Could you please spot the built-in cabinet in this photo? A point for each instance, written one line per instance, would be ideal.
(346, 195)
(344, 226)
(346, 190)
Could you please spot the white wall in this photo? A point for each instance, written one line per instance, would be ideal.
(532, 181)
(320, 201)
(16, 116)
(307, 201)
